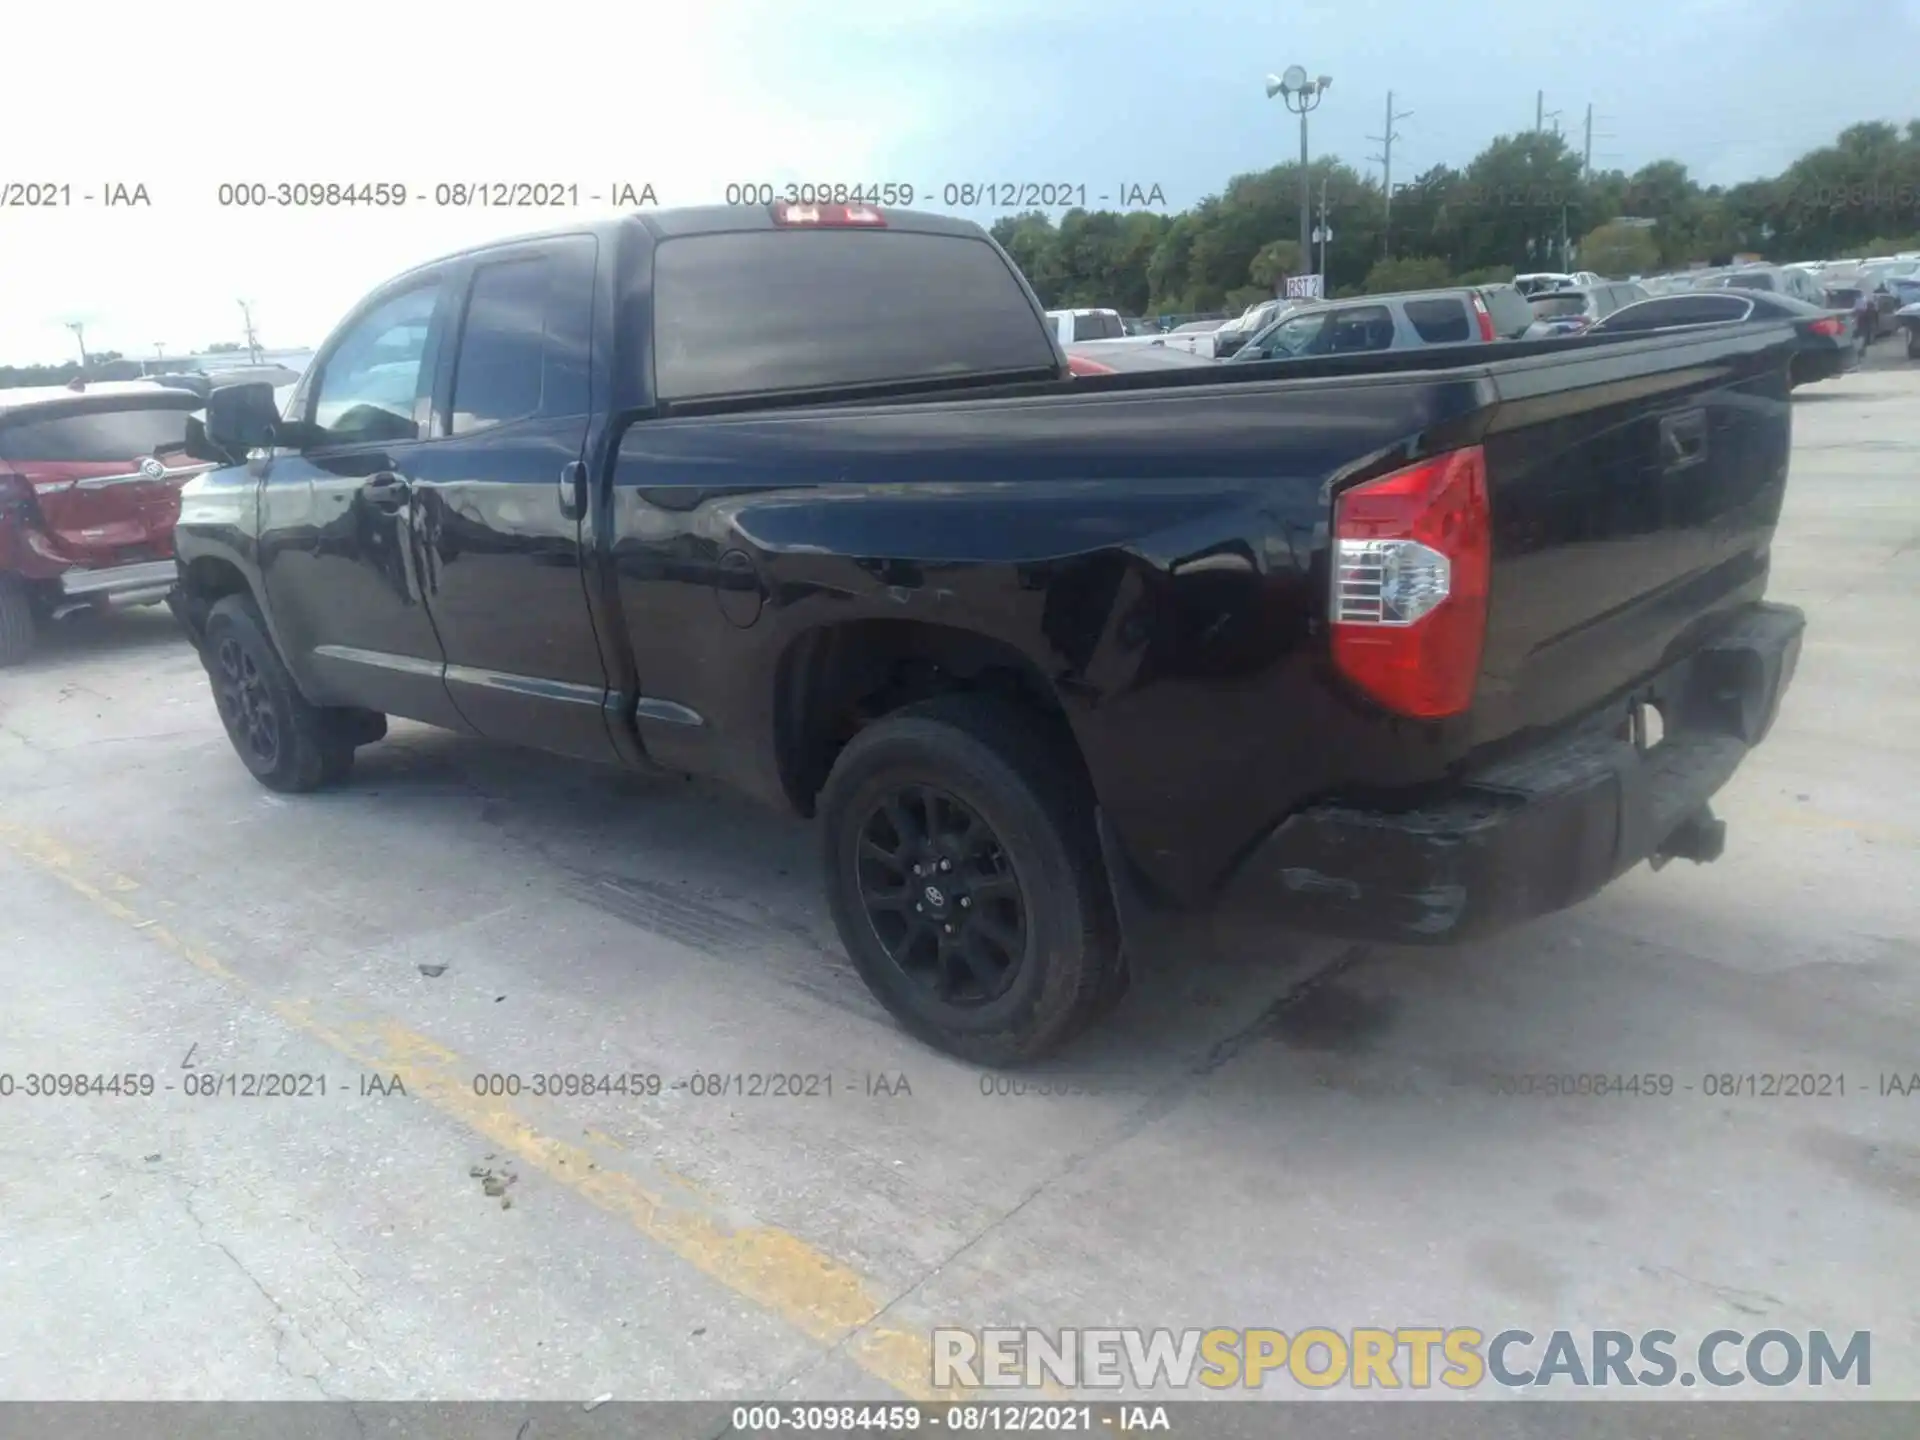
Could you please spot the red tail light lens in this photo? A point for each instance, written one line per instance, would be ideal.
(1828, 325)
(1412, 555)
(1080, 365)
(1484, 316)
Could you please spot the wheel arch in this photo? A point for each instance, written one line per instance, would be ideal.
(833, 680)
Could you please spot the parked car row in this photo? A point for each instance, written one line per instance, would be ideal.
(1827, 343)
(1829, 338)
(1572, 309)
(1475, 314)
(1878, 292)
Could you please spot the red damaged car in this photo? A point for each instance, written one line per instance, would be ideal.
(90, 483)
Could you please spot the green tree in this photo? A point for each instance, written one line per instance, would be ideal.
(1274, 262)
(1167, 270)
(1617, 250)
(1033, 243)
(1406, 272)
(1883, 245)
(1517, 200)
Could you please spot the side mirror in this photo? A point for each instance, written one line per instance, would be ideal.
(241, 418)
(200, 447)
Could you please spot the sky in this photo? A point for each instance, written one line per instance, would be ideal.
(692, 96)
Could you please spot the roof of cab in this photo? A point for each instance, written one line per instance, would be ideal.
(687, 220)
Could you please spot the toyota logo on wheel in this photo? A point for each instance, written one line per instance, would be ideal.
(153, 469)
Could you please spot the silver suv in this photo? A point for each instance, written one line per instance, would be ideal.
(1459, 315)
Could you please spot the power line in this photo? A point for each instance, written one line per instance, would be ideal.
(1385, 157)
(1586, 152)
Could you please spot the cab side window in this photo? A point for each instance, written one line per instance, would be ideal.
(499, 367)
(1364, 328)
(1295, 336)
(373, 381)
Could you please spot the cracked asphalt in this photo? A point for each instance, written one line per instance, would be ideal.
(1272, 1133)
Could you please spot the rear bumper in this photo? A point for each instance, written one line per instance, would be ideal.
(143, 584)
(1543, 829)
(1824, 364)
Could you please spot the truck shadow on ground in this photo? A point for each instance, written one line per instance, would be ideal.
(1437, 1042)
(699, 864)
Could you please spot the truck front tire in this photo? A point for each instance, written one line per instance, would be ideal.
(289, 743)
(18, 629)
(966, 881)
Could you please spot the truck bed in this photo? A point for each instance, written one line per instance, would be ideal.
(1157, 545)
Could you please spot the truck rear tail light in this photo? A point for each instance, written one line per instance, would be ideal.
(865, 217)
(1412, 555)
(1828, 325)
(1484, 316)
(1080, 365)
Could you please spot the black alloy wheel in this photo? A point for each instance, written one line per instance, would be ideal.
(287, 741)
(245, 704)
(966, 879)
(942, 895)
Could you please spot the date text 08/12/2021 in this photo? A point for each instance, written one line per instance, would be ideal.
(56, 193)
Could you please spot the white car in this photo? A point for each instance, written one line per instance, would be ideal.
(1073, 327)
(1543, 280)
(1079, 327)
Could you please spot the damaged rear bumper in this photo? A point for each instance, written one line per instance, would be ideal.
(1543, 829)
(145, 582)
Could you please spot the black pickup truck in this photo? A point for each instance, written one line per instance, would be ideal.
(1406, 648)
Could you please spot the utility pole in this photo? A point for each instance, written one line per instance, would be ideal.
(1322, 233)
(1385, 157)
(80, 334)
(1586, 148)
(253, 341)
(1539, 110)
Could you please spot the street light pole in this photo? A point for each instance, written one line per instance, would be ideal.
(1306, 208)
(1301, 95)
(1323, 232)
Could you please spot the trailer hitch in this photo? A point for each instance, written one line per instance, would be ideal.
(1701, 838)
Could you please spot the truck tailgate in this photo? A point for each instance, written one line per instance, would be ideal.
(1632, 514)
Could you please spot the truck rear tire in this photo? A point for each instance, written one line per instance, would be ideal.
(289, 743)
(18, 630)
(966, 881)
(1913, 342)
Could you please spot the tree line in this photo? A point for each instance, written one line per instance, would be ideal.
(1523, 203)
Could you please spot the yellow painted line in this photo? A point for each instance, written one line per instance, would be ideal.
(822, 1298)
